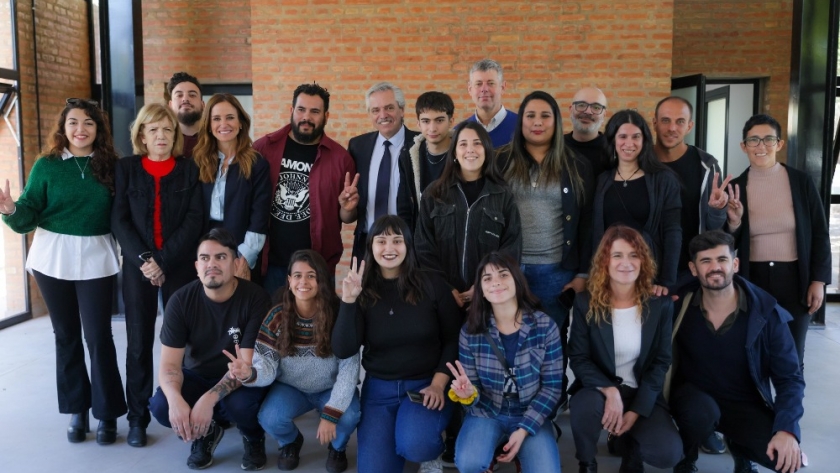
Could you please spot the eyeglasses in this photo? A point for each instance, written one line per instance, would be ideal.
(75, 101)
(596, 108)
(769, 141)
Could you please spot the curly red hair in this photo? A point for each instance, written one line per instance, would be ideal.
(600, 304)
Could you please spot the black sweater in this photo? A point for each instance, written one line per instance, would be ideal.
(414, 342)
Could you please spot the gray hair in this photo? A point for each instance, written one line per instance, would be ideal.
(382, 87)
(487, 65)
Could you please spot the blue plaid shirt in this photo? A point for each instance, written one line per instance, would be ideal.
(538, 369)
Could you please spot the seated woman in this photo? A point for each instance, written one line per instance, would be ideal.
(408, 322)
(157, 218)
(294, 356)
(510, 374)
(620, 350)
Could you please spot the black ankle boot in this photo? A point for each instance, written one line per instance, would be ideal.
(631, 457)
(79, 426)
(588, 467)
(106, 434)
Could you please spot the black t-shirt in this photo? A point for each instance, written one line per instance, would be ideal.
(472, 190)
(594, 151)
(431, 166)
(628, 205)
(690, 171)
(205, 328)
(290, 211)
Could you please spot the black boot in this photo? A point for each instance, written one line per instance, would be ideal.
(631, 457)
(106, 434)
(588, 467)
(79, 426)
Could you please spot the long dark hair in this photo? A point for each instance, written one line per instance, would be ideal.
(648, 162)
(559, 159)
(105, 157)
(478, 316)
(410, 282)
(452, 170)
(205, 153)
(326, 304)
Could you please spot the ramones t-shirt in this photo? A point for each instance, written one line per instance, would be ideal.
(205, 328)
(290, 210)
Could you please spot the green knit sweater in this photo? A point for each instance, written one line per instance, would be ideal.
(56, 198)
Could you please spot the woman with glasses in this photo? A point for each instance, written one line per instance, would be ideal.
(73, 258)
(552, 187)
(157, 218)
(234, 176)
(780, 230)
(641, 193)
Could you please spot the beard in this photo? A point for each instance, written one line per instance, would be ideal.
(189, 118)
(306, 138)
(582, 128)
(726, 282)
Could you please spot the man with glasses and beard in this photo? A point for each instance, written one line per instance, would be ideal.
(185, 101)
(309, 171)
(730, 342)
(588, 111)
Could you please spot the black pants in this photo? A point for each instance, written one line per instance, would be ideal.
(73, 306)
(657, 438)
(748, 426)
(781, 280)
(141, 302)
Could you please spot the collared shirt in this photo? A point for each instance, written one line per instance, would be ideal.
(495, 121)
(72, 257)
(252, 245)
(730, 319)
(397, 142)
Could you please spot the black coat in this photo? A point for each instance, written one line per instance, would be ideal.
(361, 149)
(592, 352)
(181, 212)
(813, 246)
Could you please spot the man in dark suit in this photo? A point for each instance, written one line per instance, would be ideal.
(376, 155)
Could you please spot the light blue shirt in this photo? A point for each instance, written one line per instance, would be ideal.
(397, 142)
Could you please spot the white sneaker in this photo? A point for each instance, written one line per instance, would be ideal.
(431, 466)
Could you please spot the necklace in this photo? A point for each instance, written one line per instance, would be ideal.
(622, 177)
(81, 170)
(429, 157)
(535, 181)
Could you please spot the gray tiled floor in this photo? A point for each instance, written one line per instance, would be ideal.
(33, 433)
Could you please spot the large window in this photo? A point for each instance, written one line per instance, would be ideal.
(14, 298)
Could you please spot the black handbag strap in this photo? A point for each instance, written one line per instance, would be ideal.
(498, 353)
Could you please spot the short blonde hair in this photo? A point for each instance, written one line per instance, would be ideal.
(151, 113)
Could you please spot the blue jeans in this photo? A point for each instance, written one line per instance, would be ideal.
(393, 429)
(480, 435)
(275, 278)
(283, 403)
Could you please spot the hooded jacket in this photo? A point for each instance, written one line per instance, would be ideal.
(411, 186)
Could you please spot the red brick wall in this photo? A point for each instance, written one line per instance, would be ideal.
(209, 39)
(62, 57)
(737, 39)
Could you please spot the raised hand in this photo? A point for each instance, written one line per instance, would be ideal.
(349, 196)
(238, 368)
(351, 287)
(460, 382)
(735, 210)
(718, 197)
(7, 205)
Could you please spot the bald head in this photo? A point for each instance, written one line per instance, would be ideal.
(586, 123)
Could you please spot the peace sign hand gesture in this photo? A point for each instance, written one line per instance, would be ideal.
(238, 368)
(460, 382)
(351, 287)
(735, 210)
(718, 197)
(349, 196)
(7, 205)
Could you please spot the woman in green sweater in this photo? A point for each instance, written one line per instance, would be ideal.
(67, 202)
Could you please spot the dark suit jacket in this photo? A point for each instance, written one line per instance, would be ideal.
(592, 352)
(247, 201)
(361, 149)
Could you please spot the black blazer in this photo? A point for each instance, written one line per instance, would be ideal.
(181, 212)
(592, 352)
(361, 150)
(247, 201)
(813, 246)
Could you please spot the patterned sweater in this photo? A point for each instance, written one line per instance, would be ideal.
(538, 369)
(305, 371)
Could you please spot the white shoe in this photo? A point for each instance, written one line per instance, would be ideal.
(431, 466)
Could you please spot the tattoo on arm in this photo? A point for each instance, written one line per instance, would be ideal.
(225, 386)
(174, 377)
